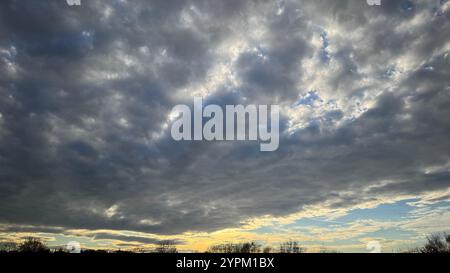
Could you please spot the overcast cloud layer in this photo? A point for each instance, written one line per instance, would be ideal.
(86, 94)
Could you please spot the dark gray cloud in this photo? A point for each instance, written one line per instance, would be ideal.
(86, 93)
(138, 239)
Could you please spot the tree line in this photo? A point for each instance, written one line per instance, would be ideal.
(435, 243)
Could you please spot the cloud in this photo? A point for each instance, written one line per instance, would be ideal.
(124, 238)
(86, 94)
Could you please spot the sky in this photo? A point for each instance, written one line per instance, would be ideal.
(86, 94)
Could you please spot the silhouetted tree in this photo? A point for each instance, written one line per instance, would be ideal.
(8, 247)
(247, 247)
(95, 251)
(267, 249)
(250, 247)
(166, 246)
(291, 247)
(140, 250)
(437, 243)
(34, 245)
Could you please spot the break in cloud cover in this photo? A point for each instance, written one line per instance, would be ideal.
(86, 95)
